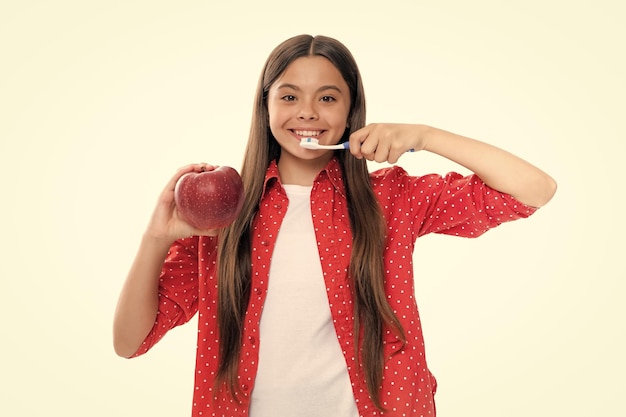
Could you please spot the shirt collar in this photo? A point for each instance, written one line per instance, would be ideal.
(332, 171)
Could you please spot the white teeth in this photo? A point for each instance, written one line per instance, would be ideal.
(308, 133)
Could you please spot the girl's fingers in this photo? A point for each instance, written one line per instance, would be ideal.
(370, 143)
(394, 156)
(385, 142)
(357, 138)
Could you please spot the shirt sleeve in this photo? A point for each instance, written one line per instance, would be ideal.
(178, 291)
(452, 204)
(462, 206)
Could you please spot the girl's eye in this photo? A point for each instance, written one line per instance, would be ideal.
(328, 99)
(289, 97)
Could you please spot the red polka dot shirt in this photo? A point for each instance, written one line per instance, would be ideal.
(413, 206)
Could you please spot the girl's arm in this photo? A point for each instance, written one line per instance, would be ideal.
(138, 301)
(498, 168)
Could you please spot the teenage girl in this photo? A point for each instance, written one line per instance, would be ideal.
(306, 302)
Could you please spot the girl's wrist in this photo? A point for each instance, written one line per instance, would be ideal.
(156, 242)
(424, 137)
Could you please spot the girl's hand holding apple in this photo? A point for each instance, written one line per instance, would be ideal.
(198, 200)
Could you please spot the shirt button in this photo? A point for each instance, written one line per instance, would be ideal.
(245, 387)
(265, 243)
(252, 340)
(259, 291)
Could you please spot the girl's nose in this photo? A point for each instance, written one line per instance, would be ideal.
(307, 112)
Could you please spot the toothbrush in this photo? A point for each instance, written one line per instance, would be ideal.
(310, 143)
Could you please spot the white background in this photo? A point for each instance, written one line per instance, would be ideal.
(101, 101)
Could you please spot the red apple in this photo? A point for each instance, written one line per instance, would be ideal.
(210, 199)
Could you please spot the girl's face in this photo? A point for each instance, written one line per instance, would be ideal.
(309, 100)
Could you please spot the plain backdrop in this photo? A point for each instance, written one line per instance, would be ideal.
(101, 101)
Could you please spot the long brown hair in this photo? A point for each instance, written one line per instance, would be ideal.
(372, 311)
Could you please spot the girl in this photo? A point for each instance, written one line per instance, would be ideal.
(305, 302)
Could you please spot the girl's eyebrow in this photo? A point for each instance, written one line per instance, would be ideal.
(322, 88)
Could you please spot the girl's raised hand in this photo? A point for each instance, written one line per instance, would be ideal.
(384, 142)
(166, 223)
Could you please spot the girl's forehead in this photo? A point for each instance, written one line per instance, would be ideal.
(310, 70)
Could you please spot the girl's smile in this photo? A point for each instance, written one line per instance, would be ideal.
(307, 133)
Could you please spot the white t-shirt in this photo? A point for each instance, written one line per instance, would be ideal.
(302, 371)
